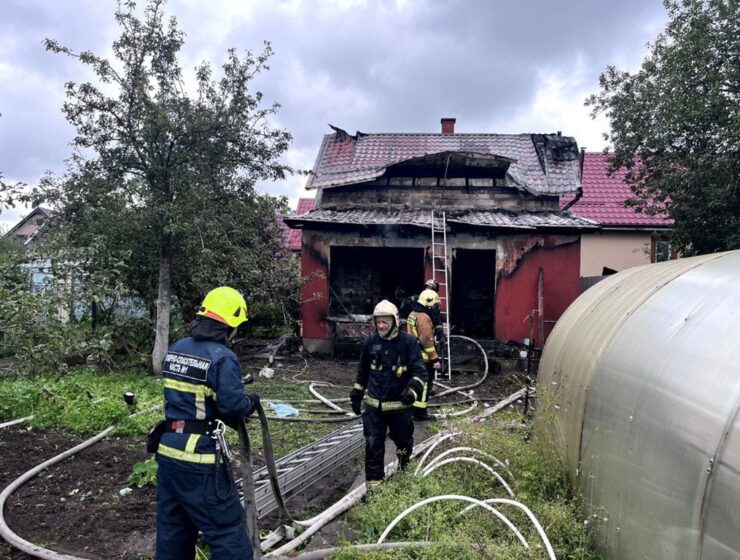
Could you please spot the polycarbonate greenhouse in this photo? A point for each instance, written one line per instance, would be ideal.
(640, 385)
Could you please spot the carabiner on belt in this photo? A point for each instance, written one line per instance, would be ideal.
(219, 434)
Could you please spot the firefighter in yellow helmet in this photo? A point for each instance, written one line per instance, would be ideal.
(202, 386)
(420, 325)
(392, 372)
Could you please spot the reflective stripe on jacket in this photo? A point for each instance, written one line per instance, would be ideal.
(419, 325)
(202, 381)
(387, 367)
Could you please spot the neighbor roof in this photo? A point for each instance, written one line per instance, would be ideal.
(344, 159)
(292, 237)
(45, 213)
(604, 197)
(422, 218)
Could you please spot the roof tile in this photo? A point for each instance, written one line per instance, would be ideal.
(292, 237)
(604, 197)
(344, 160)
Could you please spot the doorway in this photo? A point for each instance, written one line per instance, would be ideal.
(473, 282)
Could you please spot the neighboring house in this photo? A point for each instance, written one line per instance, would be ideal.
(27, 231)
(369, 235)
(292, 237)
(30, 226)
(627, 238)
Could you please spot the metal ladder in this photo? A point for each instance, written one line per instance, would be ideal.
(440, 274)
(302, 468)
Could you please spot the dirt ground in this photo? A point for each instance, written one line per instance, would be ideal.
(75, 507)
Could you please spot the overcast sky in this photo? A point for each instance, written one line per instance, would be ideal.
(371, 65)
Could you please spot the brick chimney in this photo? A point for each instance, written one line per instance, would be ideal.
(448, 125)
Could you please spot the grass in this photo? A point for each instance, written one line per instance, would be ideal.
(82, 401)
(86, 401)
(540, 484)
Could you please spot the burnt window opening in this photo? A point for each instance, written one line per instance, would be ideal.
(359, 277)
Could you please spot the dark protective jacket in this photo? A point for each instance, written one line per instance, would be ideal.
(202, 381)
(387, 367)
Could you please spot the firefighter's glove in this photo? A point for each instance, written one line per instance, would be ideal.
(355, 395)
(408, 397)
(254, 398)
(437, 364)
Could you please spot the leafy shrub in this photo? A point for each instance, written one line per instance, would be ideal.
(143, 473)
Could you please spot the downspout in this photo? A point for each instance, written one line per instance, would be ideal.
(579, 190)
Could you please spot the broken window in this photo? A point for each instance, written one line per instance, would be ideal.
(359, 277)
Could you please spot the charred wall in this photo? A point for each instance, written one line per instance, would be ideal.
(420, 193)
(366, 264)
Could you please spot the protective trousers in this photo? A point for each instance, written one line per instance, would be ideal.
(186, 503)
(420, 406)
(375, 426)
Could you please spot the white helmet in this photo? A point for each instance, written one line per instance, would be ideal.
(386, 309)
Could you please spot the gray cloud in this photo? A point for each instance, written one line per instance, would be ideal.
(374, 66)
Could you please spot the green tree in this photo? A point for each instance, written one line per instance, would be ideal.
(166, 177)
(675, 124)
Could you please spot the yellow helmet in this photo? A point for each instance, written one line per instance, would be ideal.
(428, 298)
(225, 305)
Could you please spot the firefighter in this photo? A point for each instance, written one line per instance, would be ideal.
(435, 313)
(392, 372)
(202, 388)
(420, 325)
(407, 303)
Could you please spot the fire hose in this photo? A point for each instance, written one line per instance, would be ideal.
(250, 506)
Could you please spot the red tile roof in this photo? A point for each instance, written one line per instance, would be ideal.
(604, 198)
(345, 159)
(292, 237)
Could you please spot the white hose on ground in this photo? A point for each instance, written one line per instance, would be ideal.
(431, 468)
(529, 513)
(302, 401)
(472, 385)
(7, 533)
(318, 521)
(323, 399)
(502, 404)
(14, 422)
(468, 410)
(471, 450)
(446, 497)
(326, 552)
(348, 417)
(433, 447)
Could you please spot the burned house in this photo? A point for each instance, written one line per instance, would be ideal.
(512, 255)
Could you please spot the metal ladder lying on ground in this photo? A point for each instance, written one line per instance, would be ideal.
(441, 275)
(302, 468)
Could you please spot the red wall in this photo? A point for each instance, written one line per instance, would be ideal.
(516, 293)
(315, 290)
